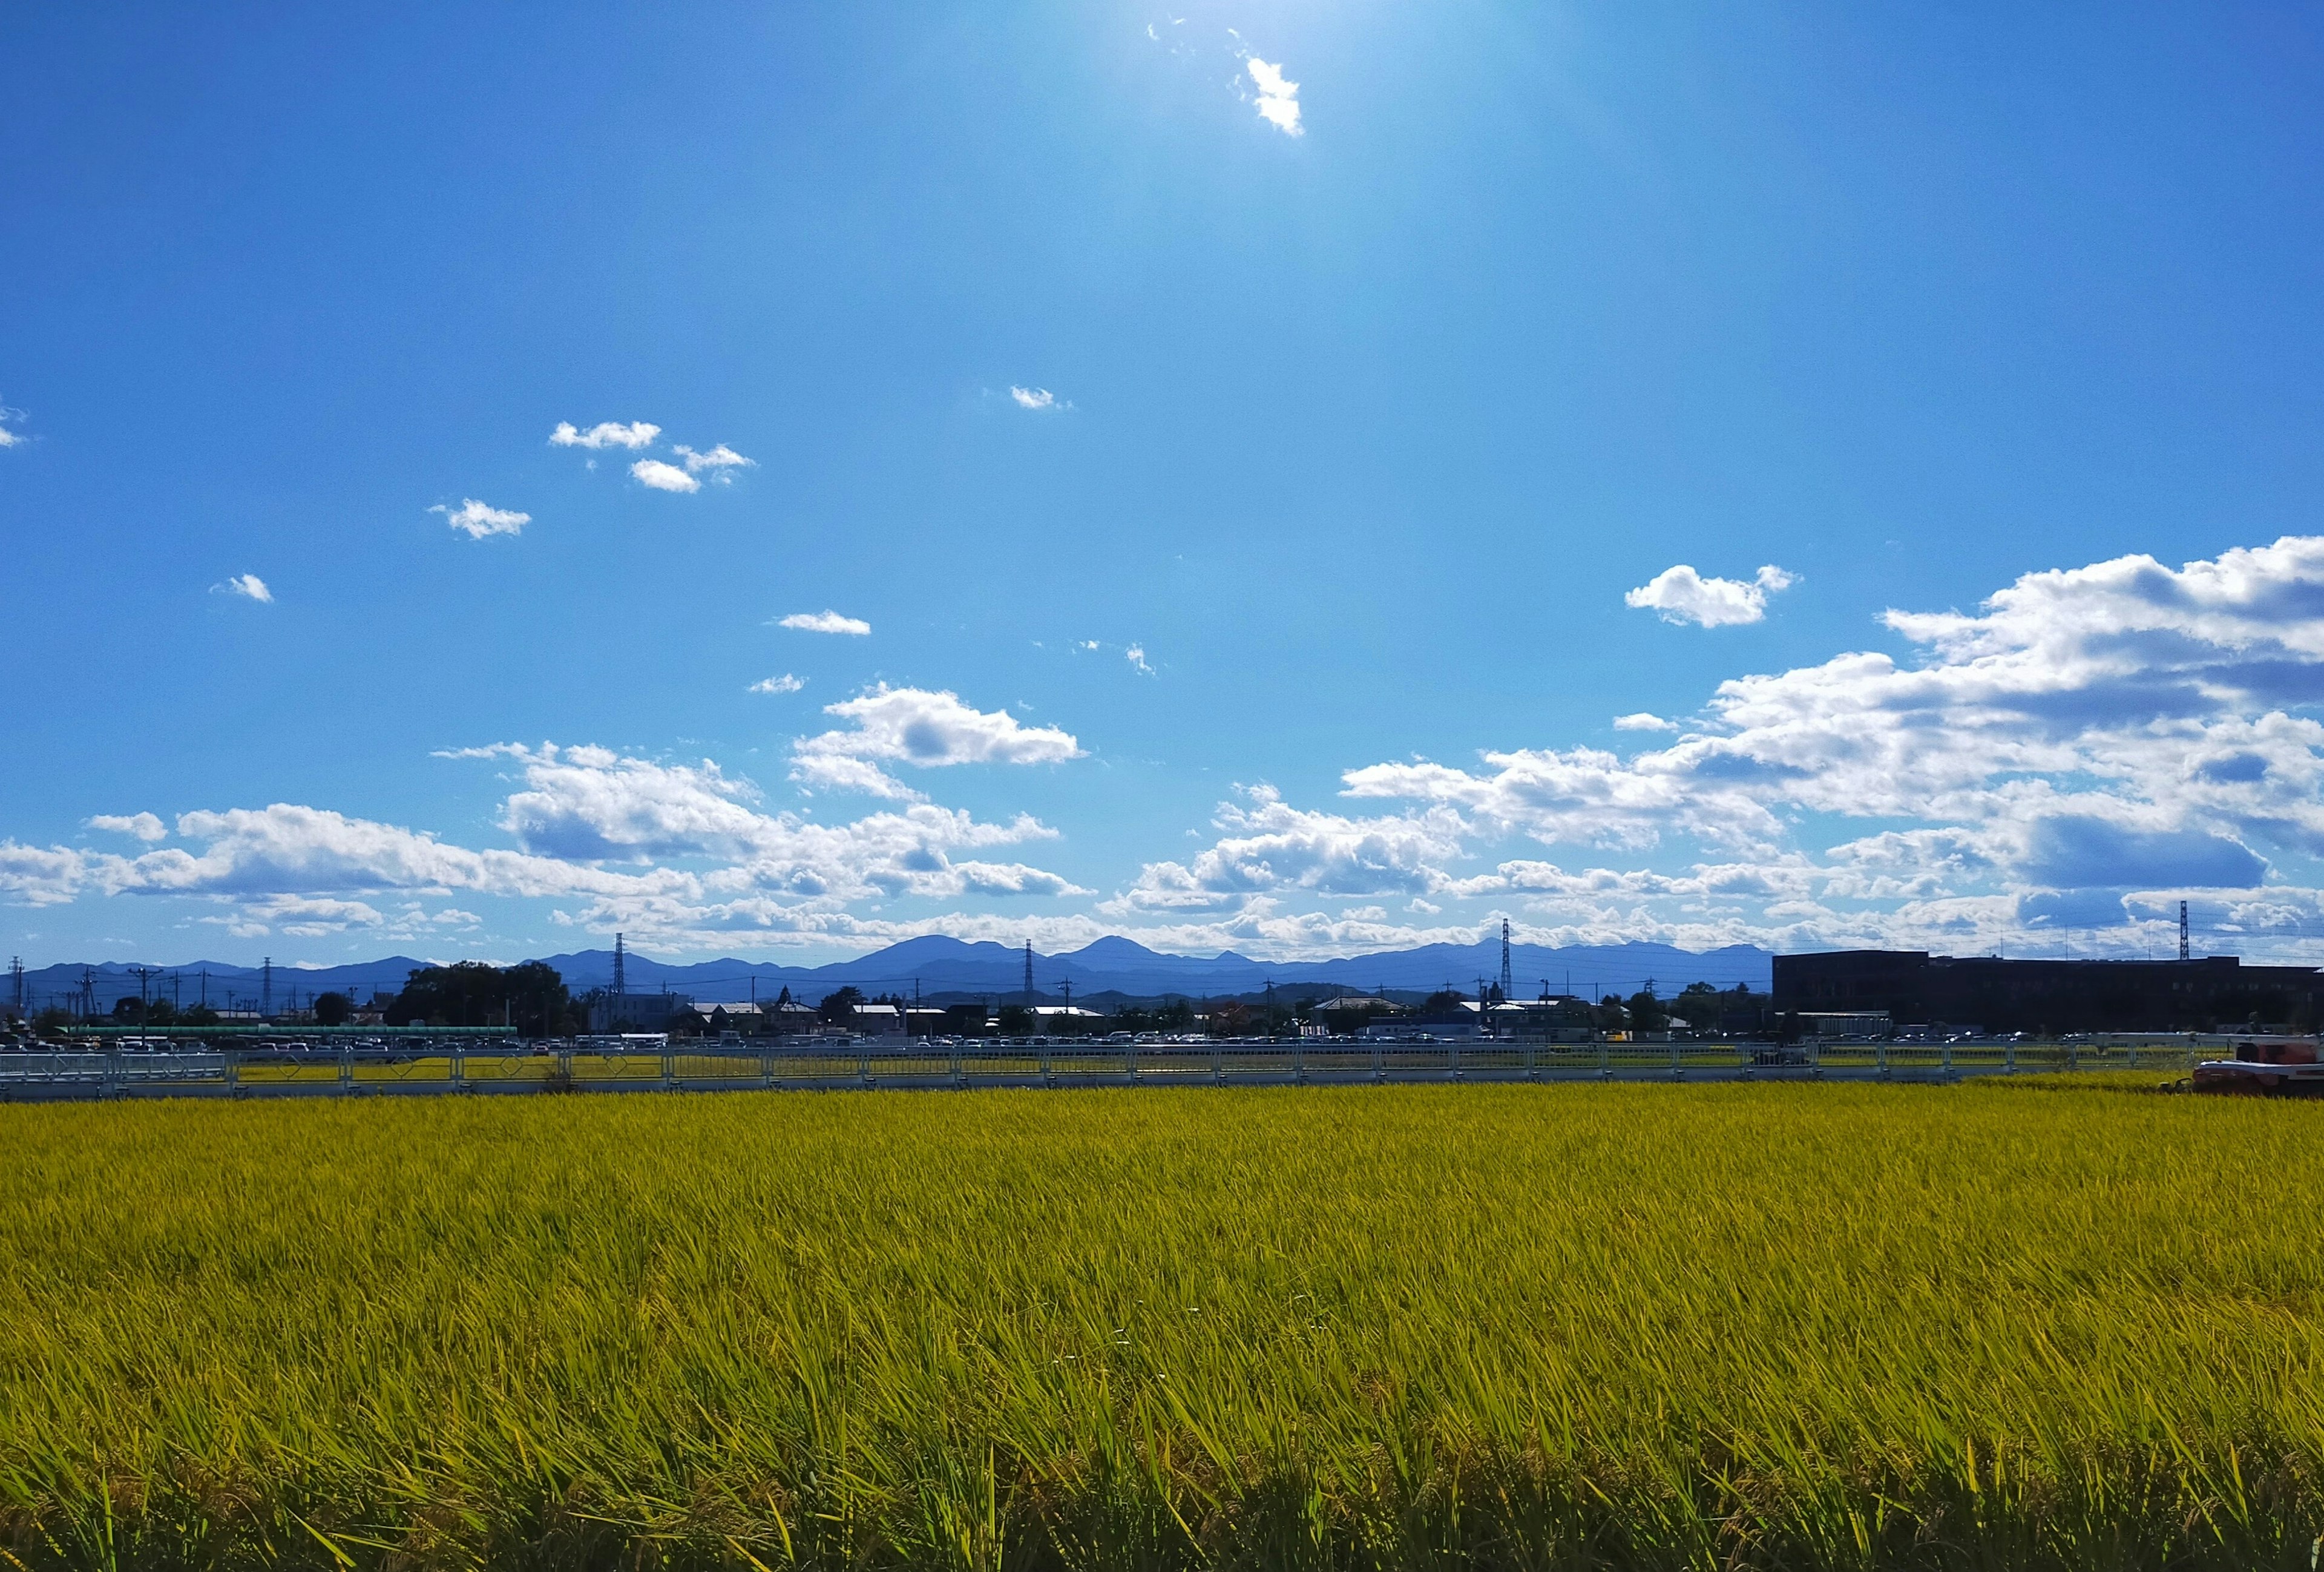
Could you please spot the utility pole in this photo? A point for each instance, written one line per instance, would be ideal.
(16, 983)
(266, 988)
(1271, 1009)
(2183, 931)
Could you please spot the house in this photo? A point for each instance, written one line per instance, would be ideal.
(877, 1020)
(635, 1011)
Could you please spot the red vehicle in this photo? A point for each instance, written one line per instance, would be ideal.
(2280, 1068)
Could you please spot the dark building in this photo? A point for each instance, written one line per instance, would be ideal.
(1914, 987)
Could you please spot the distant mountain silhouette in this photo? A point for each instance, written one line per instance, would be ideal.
(1118, 965)
(937, 965)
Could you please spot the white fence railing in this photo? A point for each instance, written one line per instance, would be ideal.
(420, 1067)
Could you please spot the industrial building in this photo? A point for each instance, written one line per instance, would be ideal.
(1913, 987)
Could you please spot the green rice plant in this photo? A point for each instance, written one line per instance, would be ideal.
(1842, 1327)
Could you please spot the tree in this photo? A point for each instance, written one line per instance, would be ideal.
(1698, 1004)
(1646, 1011)
(1016, 1020)
(838, 1006)
(530, 998)
(333, 1009)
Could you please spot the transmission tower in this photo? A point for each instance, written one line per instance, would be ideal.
(1028, 974)
(16, 982)
(2183, 931)
(266, 988)
(621, 982)
(1506, 984)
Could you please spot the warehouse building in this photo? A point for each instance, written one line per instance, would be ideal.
(1913, 987)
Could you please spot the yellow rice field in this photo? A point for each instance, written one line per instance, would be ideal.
(1623, 1326)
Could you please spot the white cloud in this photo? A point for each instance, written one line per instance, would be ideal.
(1137, 657)
(478, 520)
(2083, 749)
(1680, 594)
(824, 621)
(1035, 398)
(719, 462)
(145, 826)
(926, 729)
(785, 683)
(637, 434)
(662, 477)
(1271, 848)
(249, 586)
(290, 849)
(2089, 745)
(1279, 97)
(304, 915)
(41, 876)
(1644, 721)
(9, 438)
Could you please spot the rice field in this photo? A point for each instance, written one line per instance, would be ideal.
(2009, 1324)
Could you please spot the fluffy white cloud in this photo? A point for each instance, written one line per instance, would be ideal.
(1034, 398)
(249, 586)
(586, 805)
(719, 462)
(1135, 655)
(1681, 594)
(1271, 848)
(1279, 97)
(785, 683)
(304, 915)
(1644, 721)
(2084, 749)
(663, 476)
(478, 521)
(824, 621)
(9, 438)
(914, 725)
(41, 876)
(145, 826)
(634, 436)
(290, 849)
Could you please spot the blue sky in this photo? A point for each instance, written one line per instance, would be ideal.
(1408, 387)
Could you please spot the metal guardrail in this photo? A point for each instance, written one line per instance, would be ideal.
(460, 1066)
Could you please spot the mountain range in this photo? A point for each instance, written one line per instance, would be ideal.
(936, 966)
